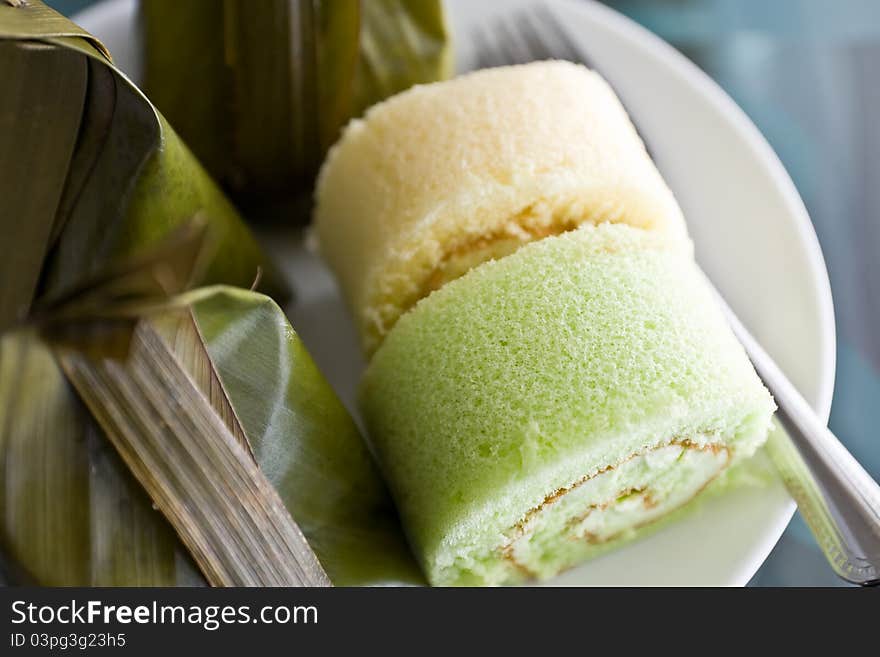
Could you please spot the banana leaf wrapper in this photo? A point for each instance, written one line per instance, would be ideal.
(73, 513)
(277, 80)
(91, 172)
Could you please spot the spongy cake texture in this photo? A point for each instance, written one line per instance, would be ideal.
(439, 178)
(551, 401)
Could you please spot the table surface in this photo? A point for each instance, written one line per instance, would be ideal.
(804, 71)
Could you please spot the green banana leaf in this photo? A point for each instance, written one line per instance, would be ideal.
(91, 172)
(402, 43)
(277, 80)
(182, 442)
(304, 439)
(71, 512)
(109, 215)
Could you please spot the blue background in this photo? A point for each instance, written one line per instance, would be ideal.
(806, 71)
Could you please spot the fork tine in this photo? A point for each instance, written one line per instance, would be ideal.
(565, 47)
(499, 47)
(532, 38)
(525, 37)
(487, 55)
(512, 43)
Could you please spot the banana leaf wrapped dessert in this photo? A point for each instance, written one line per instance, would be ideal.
(76, 511)
(276, 79)
(92, 172)
(152, 434)
(550, 374)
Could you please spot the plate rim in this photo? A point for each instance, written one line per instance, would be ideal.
(820, 284)
(754, 138)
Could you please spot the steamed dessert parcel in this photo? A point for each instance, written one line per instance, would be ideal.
(549, 372)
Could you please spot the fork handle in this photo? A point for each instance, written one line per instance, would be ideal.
(837, 497)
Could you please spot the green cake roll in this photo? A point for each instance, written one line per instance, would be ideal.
(550, 403)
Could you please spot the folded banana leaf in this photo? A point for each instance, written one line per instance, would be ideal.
(73, 512)
(91, 172)
(277, 79)
(304, 439)
(150, 436)
(402, 43)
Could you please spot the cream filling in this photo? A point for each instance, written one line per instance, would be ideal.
(540, 219)
(462, 251)
(461, 259)
(610, 505)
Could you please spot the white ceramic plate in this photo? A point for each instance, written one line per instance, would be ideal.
(753, 238)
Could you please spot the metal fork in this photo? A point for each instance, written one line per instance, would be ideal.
(837, 497)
